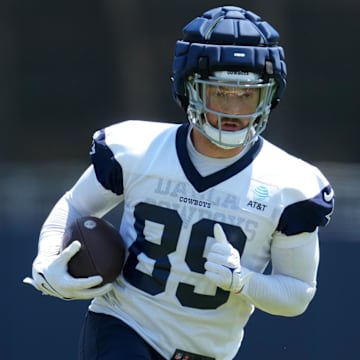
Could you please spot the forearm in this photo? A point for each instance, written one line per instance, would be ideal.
(292, 284)
(279, 294)
(52, 231)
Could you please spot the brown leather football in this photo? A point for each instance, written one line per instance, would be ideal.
(102, 249)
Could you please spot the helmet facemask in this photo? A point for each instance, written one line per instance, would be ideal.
(229, 87)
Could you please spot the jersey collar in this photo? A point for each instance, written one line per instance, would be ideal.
(202, 183)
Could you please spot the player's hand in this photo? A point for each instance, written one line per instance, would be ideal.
(53, 279)
(223, 264)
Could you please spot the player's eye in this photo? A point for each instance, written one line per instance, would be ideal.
(219, 93)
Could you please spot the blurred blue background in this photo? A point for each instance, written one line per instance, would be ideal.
(68, 68)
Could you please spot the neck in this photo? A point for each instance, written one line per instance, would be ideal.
(204, 146)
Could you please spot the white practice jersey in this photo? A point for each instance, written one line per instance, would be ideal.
(167, 224)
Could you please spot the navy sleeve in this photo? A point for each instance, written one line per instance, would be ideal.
(107, 169)
(307, 215)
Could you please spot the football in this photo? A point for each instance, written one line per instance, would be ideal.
(102, 249)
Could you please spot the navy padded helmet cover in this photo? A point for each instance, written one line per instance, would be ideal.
(228, 38)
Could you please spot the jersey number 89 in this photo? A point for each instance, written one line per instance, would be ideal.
(156, 282)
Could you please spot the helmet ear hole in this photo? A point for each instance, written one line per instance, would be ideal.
(203, 67)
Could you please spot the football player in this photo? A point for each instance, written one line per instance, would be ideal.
(208, 205)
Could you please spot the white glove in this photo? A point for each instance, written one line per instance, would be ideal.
(53, 279)
(223, 264)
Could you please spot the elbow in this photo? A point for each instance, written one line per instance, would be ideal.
(293, 311)
(299, 302)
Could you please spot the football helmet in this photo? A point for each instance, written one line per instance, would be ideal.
(233, 50)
